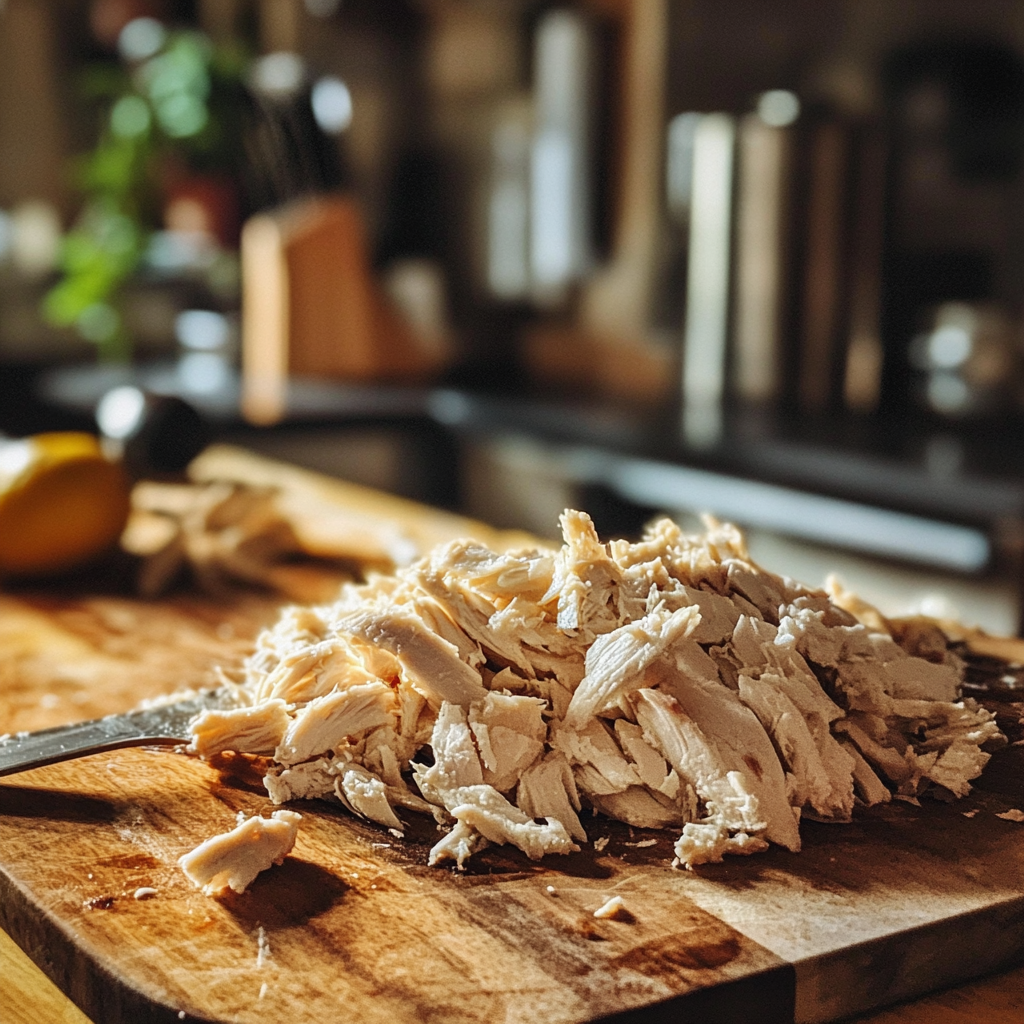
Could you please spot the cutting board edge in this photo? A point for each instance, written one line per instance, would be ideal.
(962, 949)
(767, 996)
(95, 990)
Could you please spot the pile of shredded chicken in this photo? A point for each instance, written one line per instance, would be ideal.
(670, 684)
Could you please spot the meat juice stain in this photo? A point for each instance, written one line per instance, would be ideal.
(588, 930)
(241, 772)
(99, 903)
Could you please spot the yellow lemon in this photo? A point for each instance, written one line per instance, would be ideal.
(62, 503)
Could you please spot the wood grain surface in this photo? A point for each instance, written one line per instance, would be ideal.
(904, 901)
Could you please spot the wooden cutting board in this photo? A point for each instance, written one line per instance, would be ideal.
(354, 926)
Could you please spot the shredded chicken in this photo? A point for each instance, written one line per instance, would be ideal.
(234, 859)
(671, 684)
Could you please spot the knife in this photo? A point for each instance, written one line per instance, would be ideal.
(164, 725)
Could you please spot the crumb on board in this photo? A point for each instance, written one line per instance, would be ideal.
(550, 890)
(1013, 814)
(969, 814)
(144, 892)
(643, 843)
(262, 948)
(611, 909)
(99, 903)
(600, 844)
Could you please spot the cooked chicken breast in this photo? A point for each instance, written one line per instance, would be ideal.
(670, 683)
(234, 859)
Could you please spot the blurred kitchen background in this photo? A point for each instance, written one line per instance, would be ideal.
(758, 257)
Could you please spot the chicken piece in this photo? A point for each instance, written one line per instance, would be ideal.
(864, 730)
(693, 560)
(651, 767)
(724, 541)
(869, 787)
(340, 668)
(585, 580)
(381, 749)
(799, 598)
(486, 811)
(691, 659)
(416, 720)
(742, 745)
(911, 678)
(234, 859)
(752, 642)
(598, 763)
(639, 807)
(863, 612)
(509, 733)
(614, 907)
(158, 541)
(708, 844)
(925, 638)
(718, 614)
(227, 532)
(947, 723)
(472, 614)
(929, 740)
(960, 762)
(646, 585)
(643, 585)
(822, 772)
(432, 665)
(252, 730)
(870, 666)
(366, 795)
(788, 700)
(616, 661)
(456, 761)
(539, 635)
(291, 674)
(762, 589)
(307, 781)
(287, 658)
(507, 635)
(458, 845)
(727, 794)
(408, 597)
(661, 541)
(498, 577)
(559, 697)
(326, 723)
(547, 790)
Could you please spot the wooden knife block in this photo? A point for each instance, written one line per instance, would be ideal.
(311, 306)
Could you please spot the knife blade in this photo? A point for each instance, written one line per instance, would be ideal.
(163, 725)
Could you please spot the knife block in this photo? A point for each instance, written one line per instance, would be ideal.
(311, 307)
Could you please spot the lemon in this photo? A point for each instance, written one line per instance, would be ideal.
(62, 503)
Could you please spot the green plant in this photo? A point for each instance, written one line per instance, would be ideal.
(175, 102)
